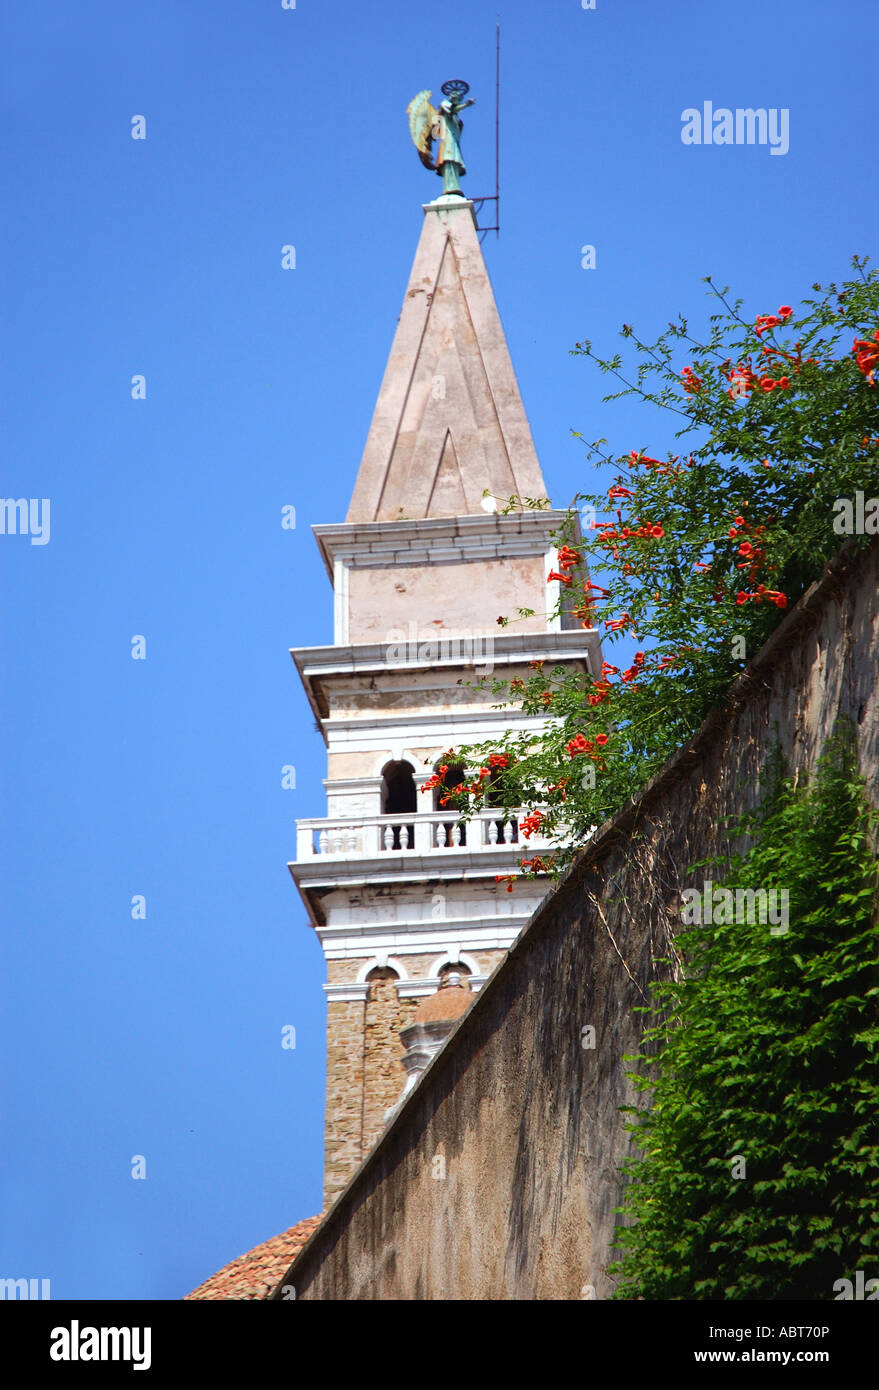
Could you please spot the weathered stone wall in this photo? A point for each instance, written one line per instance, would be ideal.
(463, 598)
(500, 1175)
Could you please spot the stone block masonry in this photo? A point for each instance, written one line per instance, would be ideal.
(365, 1073)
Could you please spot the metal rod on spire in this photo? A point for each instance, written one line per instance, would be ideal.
(479, 203)
(497, 129)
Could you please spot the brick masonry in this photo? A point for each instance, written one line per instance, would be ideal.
(365, 1073)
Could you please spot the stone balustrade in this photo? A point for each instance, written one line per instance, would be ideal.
(419, 832)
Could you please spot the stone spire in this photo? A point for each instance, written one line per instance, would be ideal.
(449, 421)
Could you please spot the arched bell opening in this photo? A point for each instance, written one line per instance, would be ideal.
(399, 798)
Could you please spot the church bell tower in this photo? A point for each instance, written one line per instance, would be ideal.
(400, 892)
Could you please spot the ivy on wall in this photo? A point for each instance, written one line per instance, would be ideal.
(757, 1171)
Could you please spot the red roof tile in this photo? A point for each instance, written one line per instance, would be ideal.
(255, 1274)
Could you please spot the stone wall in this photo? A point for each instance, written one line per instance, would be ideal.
(499, 1176)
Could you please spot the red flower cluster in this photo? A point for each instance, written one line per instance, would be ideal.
(692, 382)
(475, 788)
(767, 321)
(617, 624)
(587, 746)
(614, 533)
(635, 668)
(753, 555)
(769, 383)
(867, 356)
(536, 865)
(745, 380)
(530, 824)
(568, 557)
(435, 780)
(743, 377)
(508, 879)
(637, 460)
(761, 593)
(583, 610)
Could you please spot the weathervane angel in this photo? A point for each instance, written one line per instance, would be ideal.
(427, 124)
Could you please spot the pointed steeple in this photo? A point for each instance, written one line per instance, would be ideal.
(449, 421)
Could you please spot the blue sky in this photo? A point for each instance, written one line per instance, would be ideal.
(265, 126)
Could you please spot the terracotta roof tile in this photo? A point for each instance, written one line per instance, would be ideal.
(255, 1274)
(446, 1004)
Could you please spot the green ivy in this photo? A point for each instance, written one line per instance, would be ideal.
(761, 1060)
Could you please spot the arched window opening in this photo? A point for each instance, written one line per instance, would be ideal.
(399, 795)
(382, 981)
(399, 798)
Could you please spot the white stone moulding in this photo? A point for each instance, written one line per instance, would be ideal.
(346, 991)
(440, 540)
(423, 943)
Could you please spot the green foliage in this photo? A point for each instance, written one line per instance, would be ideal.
(766, 1047)
(703, 552)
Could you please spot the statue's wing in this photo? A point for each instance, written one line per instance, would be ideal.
(423, 125)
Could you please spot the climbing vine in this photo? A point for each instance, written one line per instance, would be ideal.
(757, 1171)
(687, 563)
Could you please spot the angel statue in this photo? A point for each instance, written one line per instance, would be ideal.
(426, 124)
